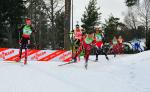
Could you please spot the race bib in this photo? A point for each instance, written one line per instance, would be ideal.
(98, 37)
(88, 40)
(27, 30)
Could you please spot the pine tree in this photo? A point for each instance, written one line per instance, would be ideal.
(110, 28)
(131, 2)
(11, 13)
(59, 30)
(148, 40)
(36, 11)
(91, 16)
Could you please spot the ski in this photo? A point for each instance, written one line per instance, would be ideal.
(93, 60)
(13, 62)
(67, 63)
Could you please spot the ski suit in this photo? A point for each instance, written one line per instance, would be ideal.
(120, 41)
(99, 45)
(114, 47)
(25, 31)
(86, 44)
(77, 37)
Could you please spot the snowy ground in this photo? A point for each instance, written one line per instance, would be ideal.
(125, 73)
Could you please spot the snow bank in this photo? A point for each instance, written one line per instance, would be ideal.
(125, 73)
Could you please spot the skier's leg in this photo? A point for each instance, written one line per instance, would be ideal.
(117, 49)
(26, 51)
(112, 51)
(76, 44)
(20, 51)
(141, 49)
(87, 54)
(77, 53)
(97, 53)
(103, 52)
(122, 48)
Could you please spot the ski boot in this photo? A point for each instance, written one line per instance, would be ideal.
(86, 64)
(18, 60)
(107, 58)
(25, 62)
(74, 60)
(96, 60)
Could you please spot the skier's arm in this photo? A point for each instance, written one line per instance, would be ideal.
(103, 38)
(94, 41)
(29, 41)
(74, 34)
(20, 31)
(33, 29)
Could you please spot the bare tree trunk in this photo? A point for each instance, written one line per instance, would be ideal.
(67, 24)
(52, 20)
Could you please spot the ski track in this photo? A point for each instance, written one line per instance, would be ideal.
(125, 73)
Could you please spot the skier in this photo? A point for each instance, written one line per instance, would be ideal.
(137, 46)
(120, 44)
(114, 46)
(25, 31)
(86, 44)
(99, 37)
(77, 36)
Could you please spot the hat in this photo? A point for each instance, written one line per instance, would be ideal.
(77, 26)
(90, 32)
(27, 19)
(98, 29)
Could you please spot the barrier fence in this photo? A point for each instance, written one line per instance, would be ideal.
(8, 54)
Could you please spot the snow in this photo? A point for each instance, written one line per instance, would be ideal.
(125, 73)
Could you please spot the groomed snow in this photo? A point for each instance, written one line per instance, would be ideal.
(125, 73)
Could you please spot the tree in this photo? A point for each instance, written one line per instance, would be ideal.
(144, 19)
(59, 30)
(133, 24)
(91, 16)
(130, 3)
(111, 28)
(131, 18)
(52, 7)
(67, 18)
(144, 16)
(148, 40)
(36, 11)
(11, 13)
(140, 33)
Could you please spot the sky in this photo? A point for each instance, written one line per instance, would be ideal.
(107, 7)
